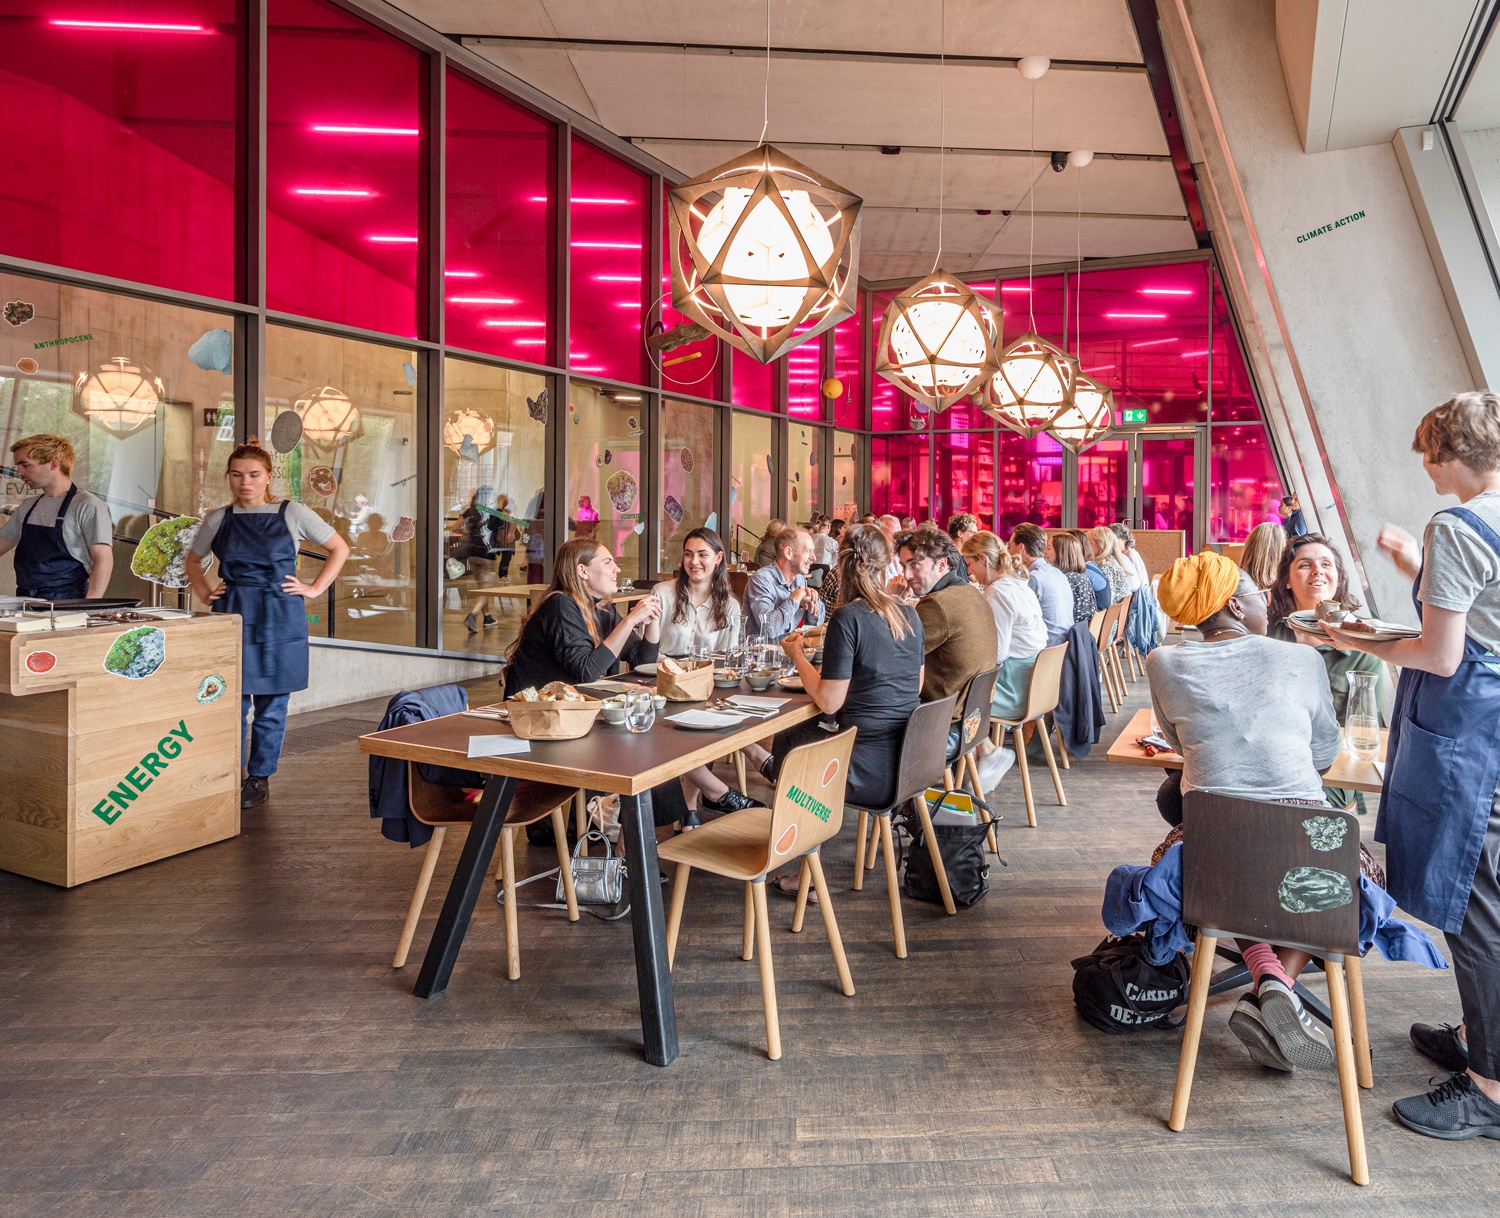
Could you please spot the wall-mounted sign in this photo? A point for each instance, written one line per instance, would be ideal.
(1132, 416)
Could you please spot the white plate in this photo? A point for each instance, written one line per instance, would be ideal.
(791, 682)
(705, 721)
(1385, 632)
(646, 670)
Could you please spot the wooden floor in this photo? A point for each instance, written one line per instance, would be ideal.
(221, 1033)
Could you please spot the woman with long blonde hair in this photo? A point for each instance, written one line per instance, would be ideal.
(1261, 559)
(1107, 553)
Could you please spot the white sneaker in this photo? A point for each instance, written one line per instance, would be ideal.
(993, 766)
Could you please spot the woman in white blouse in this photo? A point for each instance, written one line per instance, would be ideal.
(698, 611)
(1018, 618)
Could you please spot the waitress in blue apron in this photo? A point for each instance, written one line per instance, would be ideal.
(1440, 806)
(63, 537)
(256, 540)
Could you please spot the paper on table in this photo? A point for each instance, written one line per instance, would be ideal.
(497, 746)
(698, 718)
(755, 703)
(1379, 769)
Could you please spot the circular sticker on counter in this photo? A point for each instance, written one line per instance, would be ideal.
(211, 688)
(41, 661)
(137, 653)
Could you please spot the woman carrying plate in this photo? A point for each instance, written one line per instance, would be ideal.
(1310, 572)
(1440, 806)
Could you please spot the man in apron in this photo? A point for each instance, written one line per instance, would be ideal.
(1440, 807)
(63, 537)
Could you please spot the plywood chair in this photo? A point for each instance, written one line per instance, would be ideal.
(924, 748)
(1238, 857)
(748, 845)
(444, 806)
(1041, 700)
(1124, 653)
(974, 726)
(1109, 630)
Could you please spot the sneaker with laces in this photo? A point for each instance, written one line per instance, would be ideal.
(731, 801)
(1442, 1044)
(1300, 1039)
(1247, 1024)
(489, 621)
(1455, 1111)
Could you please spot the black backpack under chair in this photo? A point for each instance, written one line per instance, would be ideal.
(1118, 990)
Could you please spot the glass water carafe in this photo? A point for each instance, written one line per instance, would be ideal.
(1362, 716)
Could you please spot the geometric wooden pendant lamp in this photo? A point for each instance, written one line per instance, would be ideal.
(1034, 385)
(939, 340)
(1087, 418)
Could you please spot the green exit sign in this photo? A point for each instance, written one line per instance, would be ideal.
(1132, 416)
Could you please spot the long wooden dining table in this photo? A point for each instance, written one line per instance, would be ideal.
(610, 759)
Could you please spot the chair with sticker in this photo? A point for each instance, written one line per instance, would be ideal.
(747, 845)
(1288, 875)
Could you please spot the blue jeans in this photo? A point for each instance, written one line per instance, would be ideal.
(260, 741)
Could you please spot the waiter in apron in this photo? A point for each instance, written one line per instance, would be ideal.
(63, 537)
(1440, 806)
(256, 540)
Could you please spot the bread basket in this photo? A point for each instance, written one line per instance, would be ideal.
(553, 720)
(693, 684)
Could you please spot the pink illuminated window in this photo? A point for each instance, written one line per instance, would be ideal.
(500, 221)
(804, 378)
(898, 476)
(1028, 482)
(1104, 484)
(609, 253)
(964, 475)
(1233, 398)
(1167, 492)
(848, 369)
(1246, 489)
(890, 408)
(344, 118)
(1143, 332)
(693, 368)
(118, 129)
(754, 384)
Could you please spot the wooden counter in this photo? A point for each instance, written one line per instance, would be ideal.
(104, 768)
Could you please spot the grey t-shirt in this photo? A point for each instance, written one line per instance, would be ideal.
(86, 524)
(1462, 573)
(302, 522)
(1252, 717)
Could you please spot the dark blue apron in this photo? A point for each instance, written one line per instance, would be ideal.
(256, 551)
(44, 567)
(1444, 767)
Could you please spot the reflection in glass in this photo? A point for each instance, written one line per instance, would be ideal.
(804, 379)
(356, 467)
(605, 498)
(608, 247)
(1104, 484)
(692, 368)
(1167, 484)
(687, 476)
(1233, 396)
(898, 476)
(754, 384)
(494, 510)
(1246, 488)
(843, 496)
(964, 478)
(803, 474)
(1029, 482)
(848, 369)
(750, 487)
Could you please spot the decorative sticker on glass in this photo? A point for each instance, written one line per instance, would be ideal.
(405, 530)
(322, 480)
(622, 490)
(537, 407)
(1327, 832)
(211, 688)
(137, 653)
(213, 351)
(26, 366)
(1313, 890)
(286, 431)
(686, 459)
(19, 312)
(672, 509)
(162, 553)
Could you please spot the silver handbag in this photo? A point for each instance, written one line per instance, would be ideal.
(596, 881)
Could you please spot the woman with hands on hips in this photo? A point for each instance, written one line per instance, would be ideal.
(256, 539)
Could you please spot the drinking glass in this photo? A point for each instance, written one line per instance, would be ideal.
(640, 711)
(1362, 717)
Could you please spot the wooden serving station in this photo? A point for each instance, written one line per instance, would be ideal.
(117, 751)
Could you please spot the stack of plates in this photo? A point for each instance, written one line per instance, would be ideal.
(1307, 622)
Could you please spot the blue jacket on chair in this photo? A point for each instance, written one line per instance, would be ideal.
(389, 802)
(1080, 708)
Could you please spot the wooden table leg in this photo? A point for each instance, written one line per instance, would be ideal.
(653, 973)
(464, 889)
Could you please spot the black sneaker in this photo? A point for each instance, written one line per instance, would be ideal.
(1455, 1111)
(489, 621)
(765, 771)
(1442, 1044)
(253, 792)
(1247, 1024)
(1301, 1040)
(731, 801)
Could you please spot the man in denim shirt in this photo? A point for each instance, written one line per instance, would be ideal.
(777, 598)
(1029, 544)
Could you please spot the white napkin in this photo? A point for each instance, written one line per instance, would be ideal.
(755, 703)
(497, 746)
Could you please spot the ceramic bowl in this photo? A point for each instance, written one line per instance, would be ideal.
(760, 681)
(659, 701)
(614, 711)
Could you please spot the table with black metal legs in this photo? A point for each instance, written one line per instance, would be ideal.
(608, 759)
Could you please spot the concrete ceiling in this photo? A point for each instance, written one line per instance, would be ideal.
(685, 81)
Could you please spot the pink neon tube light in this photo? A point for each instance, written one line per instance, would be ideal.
(339, 129)
(129, 27)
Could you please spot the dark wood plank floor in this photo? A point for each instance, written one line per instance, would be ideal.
(221, 1033)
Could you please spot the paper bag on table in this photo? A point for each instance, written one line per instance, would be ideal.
(684, 682)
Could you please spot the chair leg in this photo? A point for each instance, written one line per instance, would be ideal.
(1062, 749)
(1187, 1061)
(419, 898)
(508, 878)
(1107, 679)
(990, 839)
(888, 848)
(674, 914)
(1062, 800)
(747, 951)
(1354, 973)
(1018, 739)
(581, 820)
(1354, 1126)
(948, 783)
(860, 845)
(814, 863)
(935, 854)
(767, 973)
(564, 863)
(804, 879)
(739, 767)
(870, 849)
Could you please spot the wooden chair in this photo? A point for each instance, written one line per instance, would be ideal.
(974, 723)
(738, 582)
(442, 807)
(1041, 700)
(748, 845)
(1105, 635)
(1124, 661)
(1236, 857)
(924, 749)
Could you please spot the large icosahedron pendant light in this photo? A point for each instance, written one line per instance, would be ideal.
(1033, 385)
(760, 245)
(1087, 418)
(938, 340)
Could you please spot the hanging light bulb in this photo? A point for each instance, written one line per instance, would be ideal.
(938, 340)
(329, 418)
(1033, 385)
(760, 246)
(1087, 418)
(468, 431)
(121, 397)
